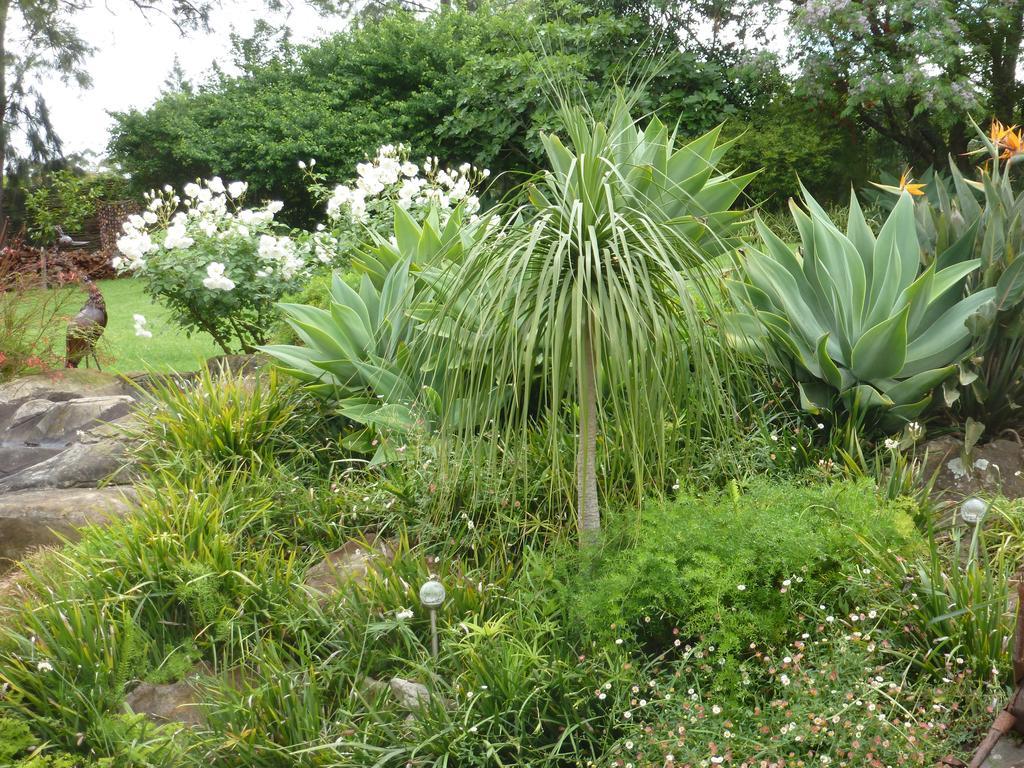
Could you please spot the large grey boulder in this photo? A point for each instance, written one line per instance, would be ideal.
(168, 703)
(64, 430)
(61, 385)
(181, 701)
(81, 465)
(409, 694)
(38, 518)
(48, 422)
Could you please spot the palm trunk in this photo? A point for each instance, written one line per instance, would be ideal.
(586, 459)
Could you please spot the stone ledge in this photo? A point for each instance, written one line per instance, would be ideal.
(39, 518)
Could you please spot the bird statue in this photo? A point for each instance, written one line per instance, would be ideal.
(85, 328)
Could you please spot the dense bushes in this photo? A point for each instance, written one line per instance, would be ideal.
(732, 567)
(788, 144)
(465, 85)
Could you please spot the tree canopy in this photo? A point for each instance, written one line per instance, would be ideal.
(468, 86)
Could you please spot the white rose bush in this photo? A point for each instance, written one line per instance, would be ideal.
(390, 179)
(220, 267)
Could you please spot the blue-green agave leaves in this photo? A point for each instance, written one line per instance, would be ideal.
(359, 353)
(854, 314)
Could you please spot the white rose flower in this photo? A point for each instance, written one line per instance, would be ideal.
(409, 169)
(216, 185)
(177, 237)
(237, 188)
(215, 279)
(140, 327)
(192, 190)
(149, 217)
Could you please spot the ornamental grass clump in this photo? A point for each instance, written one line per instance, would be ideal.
(853, 316)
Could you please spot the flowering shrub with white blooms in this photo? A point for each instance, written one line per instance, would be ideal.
(390, 179)
(219, 266)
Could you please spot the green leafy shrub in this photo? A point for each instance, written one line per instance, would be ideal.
(790, 144)
(15, 738)
(64, 200)
(731, 566)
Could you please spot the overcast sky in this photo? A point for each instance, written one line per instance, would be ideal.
(134, 56)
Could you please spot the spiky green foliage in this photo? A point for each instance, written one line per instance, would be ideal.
(359, 351)
(590, 296)
(991, 388)
(854, 316)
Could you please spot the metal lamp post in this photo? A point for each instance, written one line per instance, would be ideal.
(432, 595)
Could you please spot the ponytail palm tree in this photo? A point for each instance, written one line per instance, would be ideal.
(591, 305)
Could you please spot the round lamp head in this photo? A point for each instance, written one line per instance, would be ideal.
(432, 593)
(973, 510)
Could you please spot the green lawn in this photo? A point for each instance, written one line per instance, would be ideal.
(121, 351)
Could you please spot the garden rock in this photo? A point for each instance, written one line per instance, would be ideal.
(234, 365)
(171, 702)
(179, 702)
(38, 518)
(409, 694)
(991, 468)
(81, 465)
(1008, 753)
(45, 422)
(63, 430)
(347, 565)
(56, 387)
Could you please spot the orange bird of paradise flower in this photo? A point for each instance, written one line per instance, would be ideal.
(907, 184)
(1006, 138)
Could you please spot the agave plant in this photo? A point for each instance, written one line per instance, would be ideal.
(588, 296)
(854, 315)
(428, 246)
(358, 351)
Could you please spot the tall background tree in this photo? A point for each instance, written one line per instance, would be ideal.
(470, 85)
(39, 40)
(911, 70)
